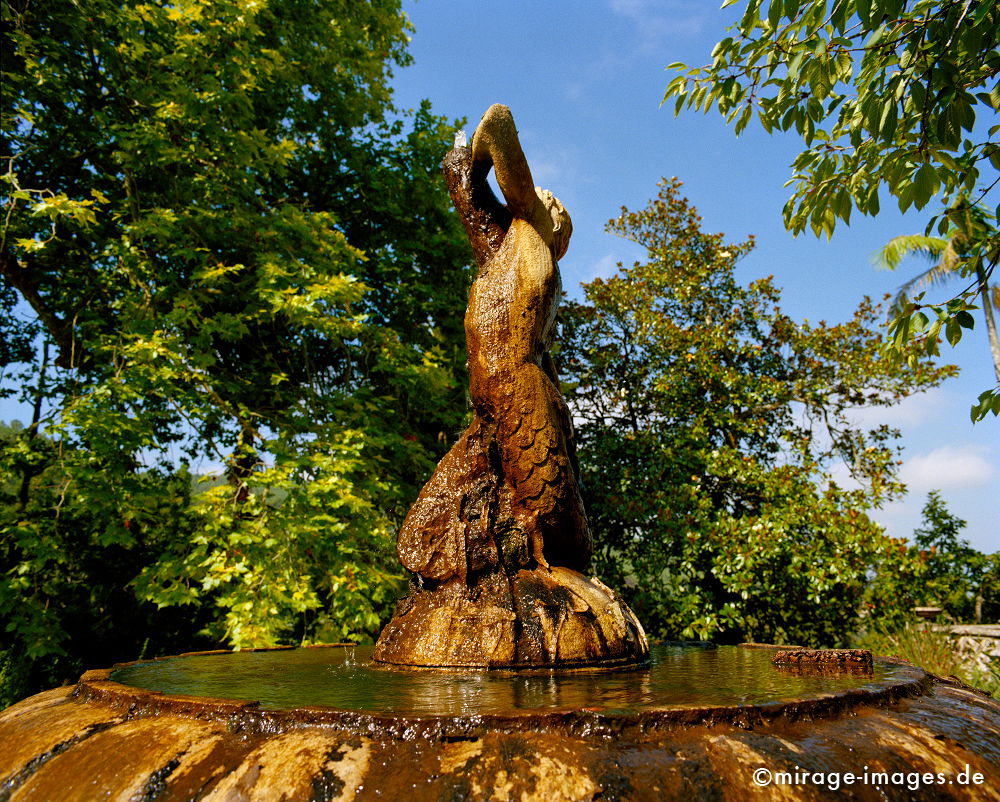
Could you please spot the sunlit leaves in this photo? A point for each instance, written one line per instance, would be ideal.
(282, 555)
(711, 428)
(247, 263)
(967, 253)
(888, 96)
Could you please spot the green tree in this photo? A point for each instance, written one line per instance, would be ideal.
(939, 569)
(894, 590)
(66, 600)
(709, 426)
(886, 95)
(955, 570)
(243, 258)
(988, 612)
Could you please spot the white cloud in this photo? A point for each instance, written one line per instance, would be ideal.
(911, 411)
(576, 90)
(605, 267)
(629, 8)
(658, 21)
(841, 475)
(949, 467)
(574, 274)
(548, 172)
(555, 164)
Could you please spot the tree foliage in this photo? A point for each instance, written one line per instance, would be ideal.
(888, 95)
(939, 569)
(65, 598)
(727, 485)
(953, 566)
(243, 260)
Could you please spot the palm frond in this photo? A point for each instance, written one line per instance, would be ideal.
(889, 256)
(940, 251)
(939, 274)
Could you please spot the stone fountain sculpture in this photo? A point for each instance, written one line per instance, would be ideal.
(498, 539)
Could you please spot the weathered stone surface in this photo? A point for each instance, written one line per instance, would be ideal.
(40, 727)
(538, 617)
(823, 657)
(977, 645)
(503, 510)
(150, 746)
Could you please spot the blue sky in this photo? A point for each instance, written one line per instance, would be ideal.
(585, 81)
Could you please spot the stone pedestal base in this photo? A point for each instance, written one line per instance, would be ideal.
(541, 617)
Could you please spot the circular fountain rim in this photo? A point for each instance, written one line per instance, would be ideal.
(96, 686)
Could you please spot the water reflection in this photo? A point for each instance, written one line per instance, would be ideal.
(346, 678)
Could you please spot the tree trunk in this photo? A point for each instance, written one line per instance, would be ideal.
(31, 471)
(991, 325)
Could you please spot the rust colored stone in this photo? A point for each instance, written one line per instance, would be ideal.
(823, 657)
(498, 538)
(535, 617)
(103, 740)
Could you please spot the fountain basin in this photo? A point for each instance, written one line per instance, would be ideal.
(538, 739)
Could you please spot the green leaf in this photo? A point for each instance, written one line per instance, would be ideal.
(774, 12)
(993, 152)
(989, 401)
(864, 8)
(925, 184)
(30, 245)
(965, 320)
(887, 125)
(890, 8)
(953, 332)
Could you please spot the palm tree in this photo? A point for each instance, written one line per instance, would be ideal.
(970, 248)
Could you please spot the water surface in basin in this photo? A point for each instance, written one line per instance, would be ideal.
(346, 678)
